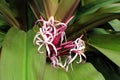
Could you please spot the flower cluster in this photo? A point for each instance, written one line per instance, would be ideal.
(52, 35)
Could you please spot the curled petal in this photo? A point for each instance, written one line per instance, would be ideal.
(54, 61)
(40, 48)
(52, 35)
(72, 59)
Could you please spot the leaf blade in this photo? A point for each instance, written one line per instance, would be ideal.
(12, 61)
(115, 24)
(110, 48)
(35, 61)
(66, 9)
(50, 7)
(85, 72)
(9, 17)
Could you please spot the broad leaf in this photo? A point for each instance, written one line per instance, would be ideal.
(85, 72)
(108, 45)
(109, 70)
(55, 74)
(35, 61)
(13, 56)
(115, 24)
(20, 59)
(80, 72)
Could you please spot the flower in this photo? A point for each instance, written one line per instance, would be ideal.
(78, 50)
(52, 35)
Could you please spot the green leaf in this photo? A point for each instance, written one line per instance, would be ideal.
(35, 61)
(81, 72)
(55, 74)
(101, 16)
(9, 16)
(111, 8)
(66, 9)
(19, 11)
(13, 57)
(109, 70)
(2, 35)
(85, 72)
(99, 31)
(115, 24)
(2, 23)
(3, 2)
(20, 59)
(102, 12)
(90, 21)
(37, 8)
(75, 32)
(50, 7)
(85, 2)
(94, 6)
(108, 45)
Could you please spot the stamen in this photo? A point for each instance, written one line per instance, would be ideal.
(69, 19)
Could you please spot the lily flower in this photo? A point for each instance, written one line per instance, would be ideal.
(52, 35)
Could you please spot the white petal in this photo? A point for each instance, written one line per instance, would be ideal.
(48, 50)
(73, 58)
(40, 48)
